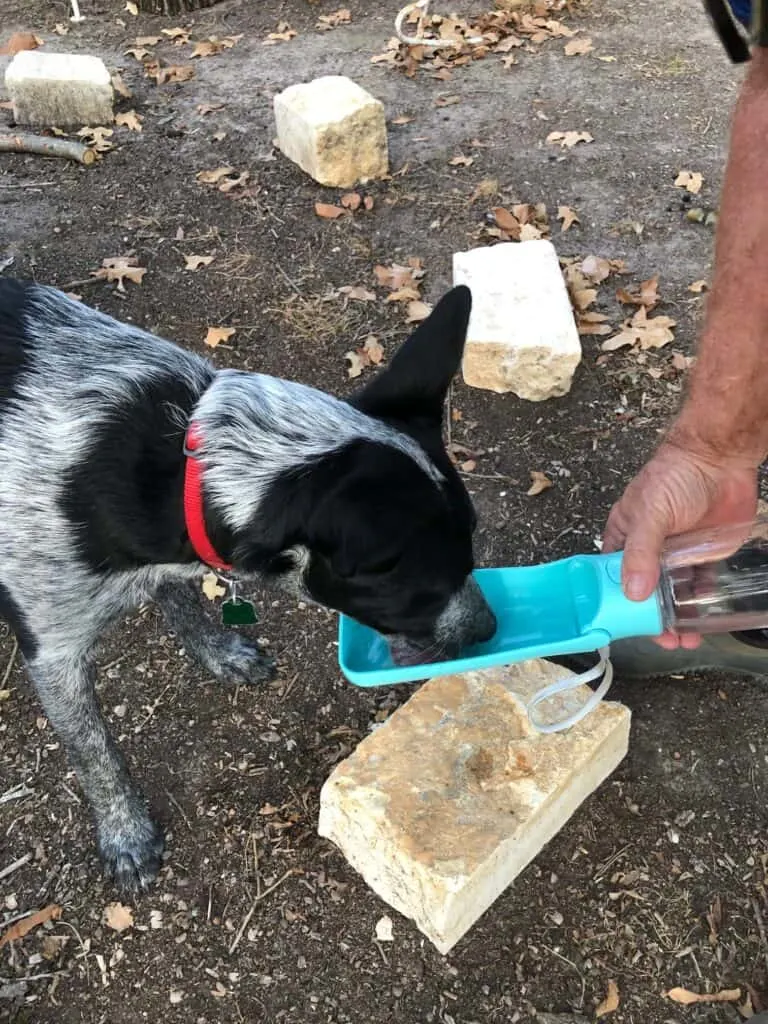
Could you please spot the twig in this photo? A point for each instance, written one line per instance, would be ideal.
(29, 184)
(15, 866)
(76, 15)
(251, 912)
(68, 288)
(41, 146)
(16, 793)
(179, 808)
(760, 928)
(11, 660)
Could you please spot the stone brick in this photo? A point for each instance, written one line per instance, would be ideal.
(522, 335)
(61, 89)
(444, 805)
(334, 130)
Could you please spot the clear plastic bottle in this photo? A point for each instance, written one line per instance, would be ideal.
(716, 580)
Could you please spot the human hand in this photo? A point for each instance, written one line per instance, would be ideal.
(676, 491)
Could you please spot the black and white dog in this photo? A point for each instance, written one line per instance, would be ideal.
(127, 464)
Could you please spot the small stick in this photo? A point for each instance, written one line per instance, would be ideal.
(41, 146)
(252, 911)
(16, 793)
(178, 807)
(760, 928)
(15, 866)
(11, 660)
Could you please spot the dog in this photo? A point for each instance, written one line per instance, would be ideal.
(130, 466)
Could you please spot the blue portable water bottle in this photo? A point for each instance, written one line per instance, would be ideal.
(711, 581)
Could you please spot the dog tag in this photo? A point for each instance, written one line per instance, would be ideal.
(238, 613)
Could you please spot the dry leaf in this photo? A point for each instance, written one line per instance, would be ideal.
(611, 1002)
(368, 203)
(568, 216)
(351, 201)
(212, 588)
(578, 47)
(118, 268)
(120, 87)
(397, 276)
(215, 176)
(180, 36)
(691, 181)
(283, 35)
(195, 262)
(60, 29)
(137, 52)
(569, 139)
(131, 7)
(147, 40)
(418, 311)
(341, 17)
(447, 101)
(403, 119)
(373, 349)
(592, 323)
(529, 233)
(171, 74)
(642, 331)
(208, 108)
(97, 138)
(356, 364)
(384, 929)
(688, 998)
(130, 119)
(20, 41)
(358, 293)
(681, 362)
(461, 161)
(216, 335)
(539, 482)
(118, 917)
(648, 295)
(506, 221)
(237, 182)
(329, 212)
(698, 287)
(18, 930)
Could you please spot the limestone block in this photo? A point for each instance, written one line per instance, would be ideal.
(522, 336)
(62, 89)
(334, 130)
(445, 804)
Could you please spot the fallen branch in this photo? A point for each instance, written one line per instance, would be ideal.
(249, 915)
(39, 145)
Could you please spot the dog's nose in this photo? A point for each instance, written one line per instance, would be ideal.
(481, 620)
(485, 624)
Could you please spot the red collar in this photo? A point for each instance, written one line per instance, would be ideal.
(194, 518)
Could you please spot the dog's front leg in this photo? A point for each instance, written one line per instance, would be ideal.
(224, 653)
(130, 844)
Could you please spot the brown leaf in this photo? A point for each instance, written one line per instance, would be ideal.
(357, 364)
(373, 349)
(216, 335)
(20, 41)
(578, 47)
(698, 287)
(648, 295)
(170, 74)
(530, 232)
(408, 293)
(195, 262)
(335, 18)
(461, 161)
(120, 87)
(506, 221)
(593, 323)
(130, 119)
(447, 101)
(485, 189)
(688, 998)
(715, 915)
(180, 36)
(138, 52)
(403, 119)
(397, 276)
(208, 108)
(358, 293)
(351, 201)
(118, 268)
(118, 917)
(569, 139)
(239, 181)
(368, 203)
(611, 1002)
(329, 212)
(568, 216)
(643, 331)
(97, 138)
(215, 176)
(418, 311)
(583, 297)
(539, 482)
(691, 181)
(283, 35)
(18, 930)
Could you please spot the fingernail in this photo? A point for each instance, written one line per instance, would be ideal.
(636, 586)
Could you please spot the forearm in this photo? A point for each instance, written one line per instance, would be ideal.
(726, 412)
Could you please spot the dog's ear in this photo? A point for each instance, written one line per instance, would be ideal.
(417, 380)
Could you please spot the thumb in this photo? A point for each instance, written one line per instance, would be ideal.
(641, 563)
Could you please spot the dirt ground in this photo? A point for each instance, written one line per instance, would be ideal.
(660, 878)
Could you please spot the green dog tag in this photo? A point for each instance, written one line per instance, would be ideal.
(238, 613)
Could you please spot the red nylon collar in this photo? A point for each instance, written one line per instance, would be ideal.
(194, 518)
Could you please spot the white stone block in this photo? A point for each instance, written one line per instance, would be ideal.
(61, 89)
(334, 130)
(445, 804)
(522, 335)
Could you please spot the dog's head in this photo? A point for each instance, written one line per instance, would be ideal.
(357, 502)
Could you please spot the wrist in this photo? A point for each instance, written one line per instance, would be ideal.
(697, 433)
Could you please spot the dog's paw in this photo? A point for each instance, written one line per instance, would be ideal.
(235, 660)
(131, 849)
